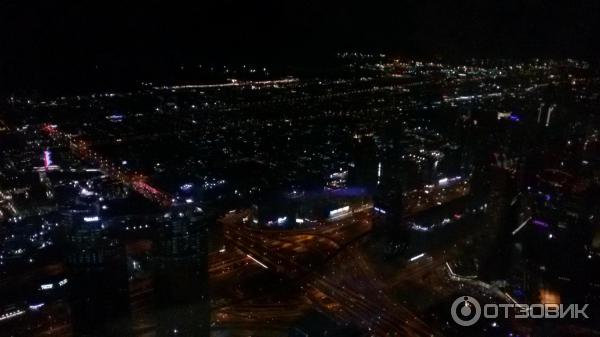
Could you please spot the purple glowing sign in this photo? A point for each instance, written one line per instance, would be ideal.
(540, 223)
(47, 159)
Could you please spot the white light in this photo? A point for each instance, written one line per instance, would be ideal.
(339, 211)
(415, 258)
(62, 282)
(521, 226)
(36, 306)
(47, 286)
(446, 181)
(11, 314)
(258, 262)
(91, 218)
(377, 209)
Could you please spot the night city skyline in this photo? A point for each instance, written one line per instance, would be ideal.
(61, 46)
(299, 169)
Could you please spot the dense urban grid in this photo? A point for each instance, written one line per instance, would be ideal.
(357, 200)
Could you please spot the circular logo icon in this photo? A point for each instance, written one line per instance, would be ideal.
(465, 311)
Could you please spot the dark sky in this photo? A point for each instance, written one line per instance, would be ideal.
(56, 44)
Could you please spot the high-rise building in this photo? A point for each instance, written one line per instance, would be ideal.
(98, 280)
(181, 273)
(366, 171)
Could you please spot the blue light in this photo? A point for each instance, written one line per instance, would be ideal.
(186, 187)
